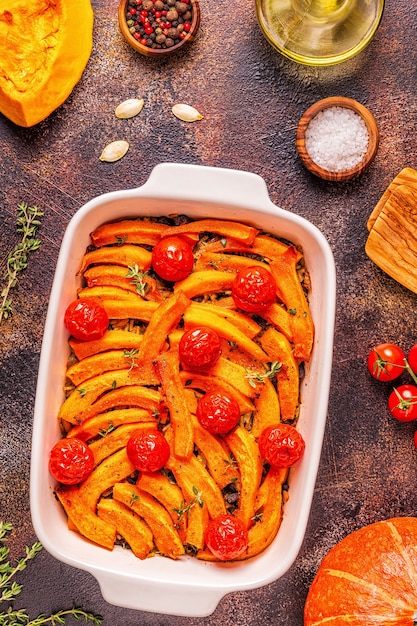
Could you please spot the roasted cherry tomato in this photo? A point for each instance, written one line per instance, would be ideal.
(86, 319)
(148, 450)
(281, 445)
(412, 359)
(386, 362)
(402, 403)
(218, 412)
(199, 347)
(226, 537)
(172, 258)
(254, 289)
(71, 461)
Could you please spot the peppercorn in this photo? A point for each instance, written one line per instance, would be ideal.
(159, 23)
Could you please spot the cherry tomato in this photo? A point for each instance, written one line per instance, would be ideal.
(172, 258)
(218, 412)
(71, 461)
(226, 537)
(386, 362)
(412, 359)
(402, 403)
(199, 347)
(86, 319)
(281, 445)
(254, 289)
(148, 450)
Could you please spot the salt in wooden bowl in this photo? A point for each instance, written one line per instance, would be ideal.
(159, 52)
(372, 145)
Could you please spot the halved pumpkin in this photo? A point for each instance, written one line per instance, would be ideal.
(44, 48)
(368, 578)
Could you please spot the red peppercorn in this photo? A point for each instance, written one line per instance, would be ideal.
(144, 13)
(132, 11)
(158, 14)
(148, 30)
(143, 42)
(137, 35)
(187, 26)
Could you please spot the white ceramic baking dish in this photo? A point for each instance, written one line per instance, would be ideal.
(185, 587)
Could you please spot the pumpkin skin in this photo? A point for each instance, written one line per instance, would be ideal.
(44, 48)
(368, 578)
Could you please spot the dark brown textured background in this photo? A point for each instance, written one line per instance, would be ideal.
(251, 99)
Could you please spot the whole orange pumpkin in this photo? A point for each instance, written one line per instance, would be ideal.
(368, 578)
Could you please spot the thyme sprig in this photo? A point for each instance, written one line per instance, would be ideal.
(138, 279)
(27, 224)
(197, 499)
(10, 589)
(260, 377)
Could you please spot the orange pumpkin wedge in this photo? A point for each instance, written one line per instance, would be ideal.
(369, 578)
(43, 55)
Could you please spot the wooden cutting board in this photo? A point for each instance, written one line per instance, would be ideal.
(392, 240)
(408, 177)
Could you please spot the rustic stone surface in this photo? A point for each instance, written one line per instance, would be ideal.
(251, 99)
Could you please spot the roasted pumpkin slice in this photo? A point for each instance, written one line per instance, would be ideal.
(115, 468)
(166, 317)
(126, 255)
(111, 340)
(155, 515)
(97, 364)
(191, 380)
(194, 480)
(219, 459)
(167, 366)
(128, 231)
(103, 423)
(268, 505)
(279, 349)
(77, 406)
(267, 410)
(292, 294)
(225, 228)
(196, 316)
(116, 439)
(242, 322)
(84, 520)
(232, 263)
(205, 281)
(198, 519)
(129, 525)
(168, 494)
(43, 55)
(246, 452)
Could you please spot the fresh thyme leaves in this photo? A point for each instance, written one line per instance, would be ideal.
(131, 356)
(134, 498)
(82, 392)
(105, 431)
(27, 224)
(198, 499)
(259, 377)
(120, 240)
(230, 462)
(10, 589)
(138, 279)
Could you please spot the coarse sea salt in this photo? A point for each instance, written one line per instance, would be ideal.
(337, 139)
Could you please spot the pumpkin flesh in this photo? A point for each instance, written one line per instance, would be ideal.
(44, 48)
(369, 578)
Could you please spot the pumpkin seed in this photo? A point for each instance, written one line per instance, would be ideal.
(114, 151)
(186, 113)
(129, 108)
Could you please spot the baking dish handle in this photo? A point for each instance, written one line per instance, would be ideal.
(170, 599)
(204, 183)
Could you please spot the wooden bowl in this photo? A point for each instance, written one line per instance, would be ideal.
(158, 52)
(348, 103)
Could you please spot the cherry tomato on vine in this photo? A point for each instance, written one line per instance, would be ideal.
(281, 445)
(386, 362)
(412, 359)
(199, 347)
(402, 403)
(148, 450)
(172, 258)
(226, 537)
(71, 461)
(86, 319)
(254, 289)
(218, 412)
